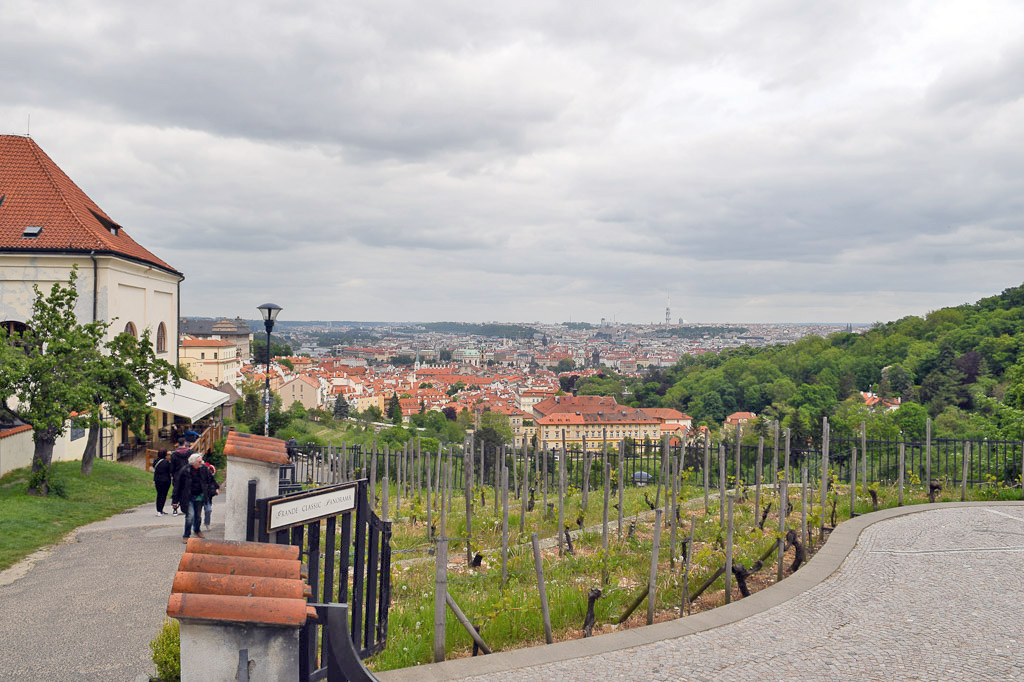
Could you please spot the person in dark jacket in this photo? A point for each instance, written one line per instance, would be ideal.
(179, 460)
(162, 480)
(192, 488)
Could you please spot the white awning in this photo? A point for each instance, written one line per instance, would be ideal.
(190, 400)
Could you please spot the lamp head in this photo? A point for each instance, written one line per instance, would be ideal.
(269, 311)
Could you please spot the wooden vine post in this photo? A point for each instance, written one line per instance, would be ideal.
(728, 552)
(824, 475)
(539, 566)
(783, 508)
(440, 591)
(652, 579)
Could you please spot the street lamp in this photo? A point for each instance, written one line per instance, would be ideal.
(269, 311)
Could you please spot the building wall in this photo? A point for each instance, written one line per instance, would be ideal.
(125, 292)
(217, 364)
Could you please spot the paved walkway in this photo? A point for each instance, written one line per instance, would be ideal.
(88, 608)
(932, 595)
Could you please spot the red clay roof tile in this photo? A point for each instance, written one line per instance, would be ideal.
(36, 192)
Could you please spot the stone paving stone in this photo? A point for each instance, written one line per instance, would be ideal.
(909, 603)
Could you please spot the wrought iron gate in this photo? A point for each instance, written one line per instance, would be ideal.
(348, 556)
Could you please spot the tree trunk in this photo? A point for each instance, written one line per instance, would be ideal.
(41, 458)
(90, 449)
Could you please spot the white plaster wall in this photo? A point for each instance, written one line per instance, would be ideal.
(16, 451)
(240, 470)
(127, 291)
(210, 652)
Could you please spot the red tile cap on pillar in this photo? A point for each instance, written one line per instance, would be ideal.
(256, 550)
(239, 585)
(243, 610)
(235, 565)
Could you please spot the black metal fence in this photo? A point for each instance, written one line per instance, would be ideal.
(641, 463)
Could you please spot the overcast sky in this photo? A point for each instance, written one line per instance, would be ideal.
(757, 160)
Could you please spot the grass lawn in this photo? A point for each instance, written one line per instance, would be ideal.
(28, 522)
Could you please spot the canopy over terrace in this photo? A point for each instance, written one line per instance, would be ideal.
(190, 400)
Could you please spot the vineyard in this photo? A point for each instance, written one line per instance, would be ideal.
(649, 532)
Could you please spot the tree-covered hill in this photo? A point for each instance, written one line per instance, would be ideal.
(962, 366)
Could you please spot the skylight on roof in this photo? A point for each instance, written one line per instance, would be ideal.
(31, 231)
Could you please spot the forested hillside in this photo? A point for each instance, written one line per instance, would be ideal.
(961, 366)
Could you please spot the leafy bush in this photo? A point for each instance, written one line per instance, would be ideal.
(216, 454)
(167, 652)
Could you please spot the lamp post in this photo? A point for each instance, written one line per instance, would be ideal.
(269, 311)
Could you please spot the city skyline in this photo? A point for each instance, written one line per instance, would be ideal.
(757, 162)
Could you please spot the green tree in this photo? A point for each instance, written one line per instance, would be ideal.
(372, 414)
(125, 379)
(341, 407)
(258, 347)
(49, 370)
(394, 411)
(296, 410)
(285, 362)
(565, 365)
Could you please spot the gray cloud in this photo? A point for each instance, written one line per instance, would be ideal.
(786, 160)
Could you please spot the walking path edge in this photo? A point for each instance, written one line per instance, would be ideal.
(823, 564)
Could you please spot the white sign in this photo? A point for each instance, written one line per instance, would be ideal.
(295, 510)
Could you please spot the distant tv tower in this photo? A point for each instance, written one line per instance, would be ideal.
(668, 310)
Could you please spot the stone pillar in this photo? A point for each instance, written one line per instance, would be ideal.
(230, 597)
(249, 457)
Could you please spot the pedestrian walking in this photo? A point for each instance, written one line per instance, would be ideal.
(208, 507)
(191, 436)
(192, 488)
(179, 460)
(162, 480)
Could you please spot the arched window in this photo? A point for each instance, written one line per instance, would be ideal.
(161, 338)
(130, 329)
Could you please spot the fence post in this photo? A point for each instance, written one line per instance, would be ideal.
(504, 528)
(899, 502)
(967, 469)
(373, 478)
(707, 464)
(386, 483)
(721, 484)
(604, 516)
(928, 455)
(440, 590)
(864, 455)
(758, 474)
(652, 580)
(684, 608)
(803, 505)
(525, 489)
(545, 511)
(853, 479)
(775, 453)
(824, 474)
(467, 480)
(728, 554)
(671, 510)
(561, 496)
(622, 483)
(783, 504)
(736, 468)
(539, 566)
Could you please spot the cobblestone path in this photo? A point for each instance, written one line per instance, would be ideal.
(935, 595)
